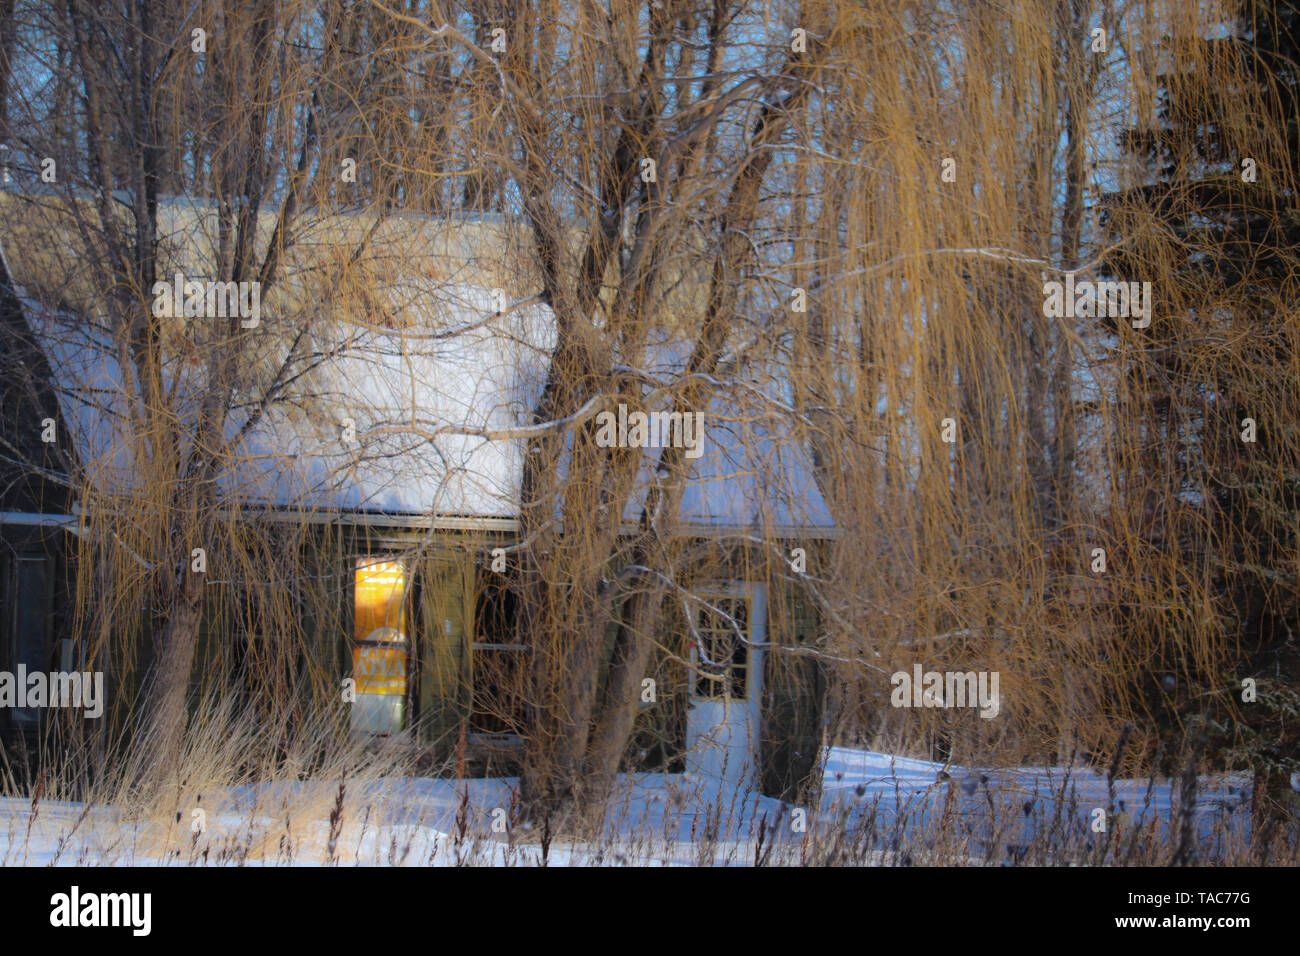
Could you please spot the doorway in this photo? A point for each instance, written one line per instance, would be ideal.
(722, 720)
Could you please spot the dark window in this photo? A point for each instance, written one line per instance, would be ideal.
(722, 650)
(499, 701)
(31, 621)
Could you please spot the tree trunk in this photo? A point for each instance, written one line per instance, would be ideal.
(162, 729)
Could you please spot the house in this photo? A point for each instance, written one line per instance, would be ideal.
(390, 478)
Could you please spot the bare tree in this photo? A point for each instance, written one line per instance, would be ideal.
(222, 105)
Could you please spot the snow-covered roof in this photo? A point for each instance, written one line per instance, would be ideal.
(752, 473)
(362, 428)
(379, 422)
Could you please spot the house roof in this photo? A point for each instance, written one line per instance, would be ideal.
(752, 474)
(376, 424)
(411, 395)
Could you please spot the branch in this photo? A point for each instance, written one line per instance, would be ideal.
(555, 426)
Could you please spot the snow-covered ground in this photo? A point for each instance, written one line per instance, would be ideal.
(882, 803)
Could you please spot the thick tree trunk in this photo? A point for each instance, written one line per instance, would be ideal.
(613, 728)
(162, 729)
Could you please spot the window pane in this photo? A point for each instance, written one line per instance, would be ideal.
(379, 649)
(498, 702)
(380, 601)
(722, 657)
(31, 616)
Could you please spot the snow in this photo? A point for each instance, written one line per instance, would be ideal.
(752, 475)
(407, 400)
(421, 408)
(900, 787)
(654, 819)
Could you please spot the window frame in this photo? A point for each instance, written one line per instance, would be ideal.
(483, 573)
(29, 716)
(714, 595)
(406, 621)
